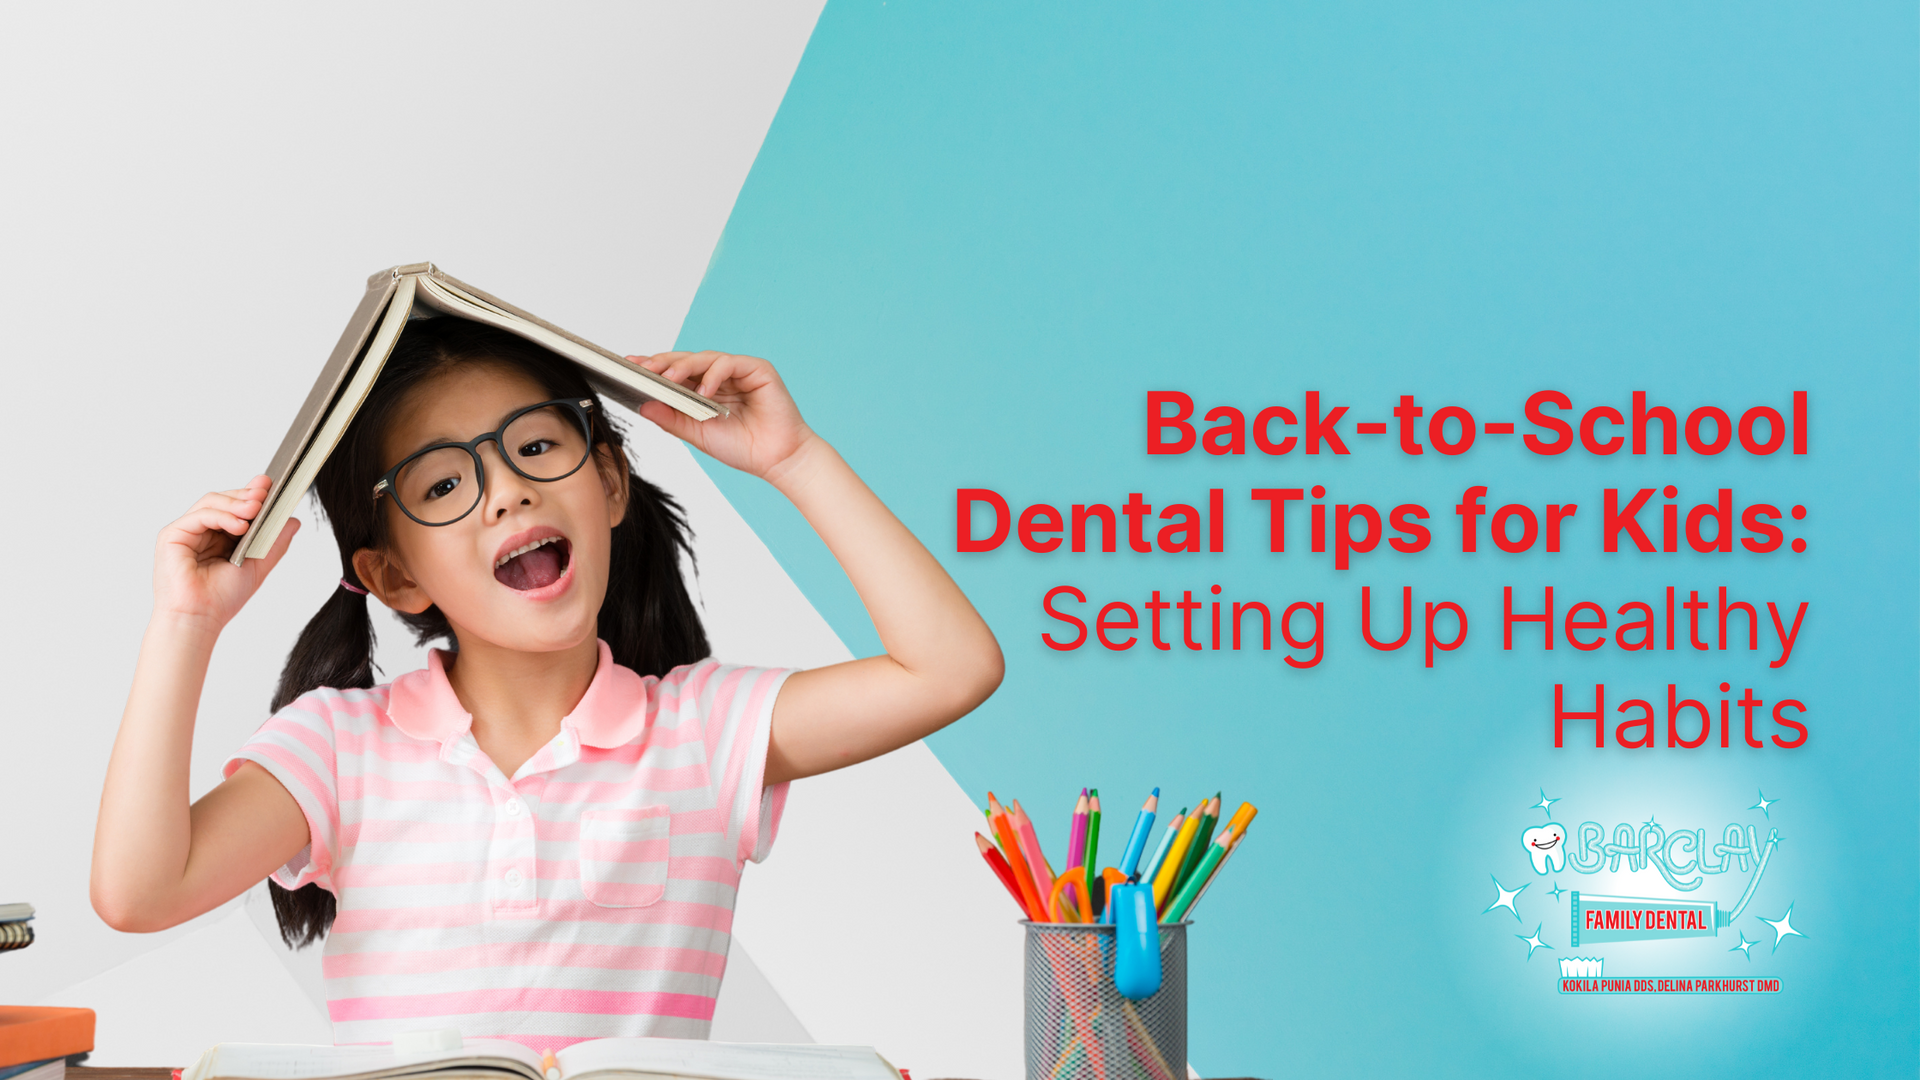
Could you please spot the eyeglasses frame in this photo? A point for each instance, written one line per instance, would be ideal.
(580, 407)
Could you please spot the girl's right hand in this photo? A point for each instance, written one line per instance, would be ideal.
(192, 578)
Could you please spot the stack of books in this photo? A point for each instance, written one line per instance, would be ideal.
(36, 1042)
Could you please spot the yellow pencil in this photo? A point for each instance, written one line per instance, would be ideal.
(1176, 856)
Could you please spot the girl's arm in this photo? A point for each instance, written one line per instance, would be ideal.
(940, 661)
(158, 861)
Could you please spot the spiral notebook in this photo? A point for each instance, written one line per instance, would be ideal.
(16, 927)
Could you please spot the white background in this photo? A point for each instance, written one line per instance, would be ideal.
(189, 205)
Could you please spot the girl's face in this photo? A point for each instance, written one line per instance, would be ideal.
(547, 597)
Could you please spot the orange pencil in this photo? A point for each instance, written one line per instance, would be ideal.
(1241, 819)
(1000, 868)
(1010, 848)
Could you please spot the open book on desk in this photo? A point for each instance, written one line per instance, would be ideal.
(595, 1059)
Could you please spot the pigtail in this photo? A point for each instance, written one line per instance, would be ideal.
(335, 649)
(305, 914)
(648, 620)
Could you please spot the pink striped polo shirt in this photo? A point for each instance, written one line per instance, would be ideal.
(589, 895)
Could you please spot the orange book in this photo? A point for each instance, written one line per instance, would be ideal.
(36, 1033)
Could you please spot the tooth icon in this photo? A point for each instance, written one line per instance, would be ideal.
(1546, 846)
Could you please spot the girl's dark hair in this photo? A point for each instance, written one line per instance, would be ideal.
(647, 620)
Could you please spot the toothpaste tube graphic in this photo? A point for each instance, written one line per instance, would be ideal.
(1600, 919)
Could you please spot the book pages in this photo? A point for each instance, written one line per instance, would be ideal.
(498, 1059)
(273, 517)
(720, 1061)
(488, 1058)
(353, 339)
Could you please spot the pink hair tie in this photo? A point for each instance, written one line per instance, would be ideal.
(352, 588)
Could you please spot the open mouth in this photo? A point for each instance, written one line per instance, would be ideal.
(534, 564)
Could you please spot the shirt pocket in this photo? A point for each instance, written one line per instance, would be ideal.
(623, 856)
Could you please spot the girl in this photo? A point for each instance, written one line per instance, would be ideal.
(538, 837)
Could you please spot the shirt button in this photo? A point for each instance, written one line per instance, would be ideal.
(513, 879)
(514, 806)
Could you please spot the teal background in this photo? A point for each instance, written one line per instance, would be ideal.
(978, 234)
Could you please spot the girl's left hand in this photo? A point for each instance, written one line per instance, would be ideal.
(762, 430)
(940, 660)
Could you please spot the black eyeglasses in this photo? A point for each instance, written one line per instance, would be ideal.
(442, 483)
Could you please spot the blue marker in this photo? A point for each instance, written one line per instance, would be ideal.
(1137, 843)
(1136, 940)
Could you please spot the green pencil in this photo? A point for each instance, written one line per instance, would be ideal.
(1095, 895)
(1197, 881)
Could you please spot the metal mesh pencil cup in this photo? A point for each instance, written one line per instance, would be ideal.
(1078, 1027)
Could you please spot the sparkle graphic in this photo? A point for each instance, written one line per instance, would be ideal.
(1556, 891)
(1534, 941)
(1650, 821)
(1545, 804)
(1763, 804)
(1505, 899)
(1782, 928)
(1745, 947)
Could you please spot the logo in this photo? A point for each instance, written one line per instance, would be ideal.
(1700, 882)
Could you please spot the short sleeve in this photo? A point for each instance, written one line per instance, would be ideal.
(733, 705)
(297, 747)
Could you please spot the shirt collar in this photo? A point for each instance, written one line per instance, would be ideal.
(613, 711)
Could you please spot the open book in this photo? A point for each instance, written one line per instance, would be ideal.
(392, 296)
(497, 1059)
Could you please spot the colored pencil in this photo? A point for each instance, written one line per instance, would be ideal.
(1242, 818)
(1077, 838)
(1176, 857)
(1142, 828)
(1000, 868)
(1036, 856)
(1186, 862)
(1197, 880)
(1208, 883)
(1194, 847)
(1152, 868)
(1092, 860)
(1010, 849)
(1209, 817)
